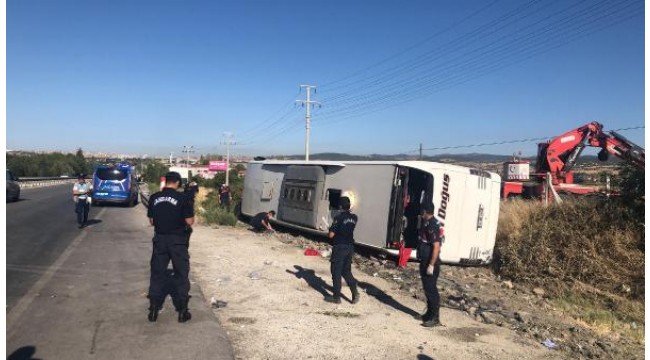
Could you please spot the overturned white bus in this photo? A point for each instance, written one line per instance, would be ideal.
(387, 197)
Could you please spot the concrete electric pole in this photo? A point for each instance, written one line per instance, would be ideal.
(188, 150)
(228, 142)
(308, 103)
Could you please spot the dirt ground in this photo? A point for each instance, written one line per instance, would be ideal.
(269, 297)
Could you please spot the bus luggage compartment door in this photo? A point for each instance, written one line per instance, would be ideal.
(300, 195)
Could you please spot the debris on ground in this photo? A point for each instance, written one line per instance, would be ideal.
(549, 344)
(489, 299)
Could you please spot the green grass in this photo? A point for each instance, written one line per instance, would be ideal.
(605, 315)
(212, 213)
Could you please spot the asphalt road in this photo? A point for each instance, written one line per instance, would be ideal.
(80, 294)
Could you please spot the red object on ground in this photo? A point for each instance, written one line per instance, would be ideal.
(404, 255)
(311, 252)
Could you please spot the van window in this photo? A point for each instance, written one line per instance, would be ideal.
(111, 174)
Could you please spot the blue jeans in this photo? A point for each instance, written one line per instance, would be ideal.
(81, 208)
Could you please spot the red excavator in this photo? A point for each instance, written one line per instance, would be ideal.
(556, 158)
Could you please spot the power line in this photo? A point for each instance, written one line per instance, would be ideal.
(414, 46)
(482, 32)
(419, 82)
(506, 141)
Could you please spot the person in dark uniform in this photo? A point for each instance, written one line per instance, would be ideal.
(81, 195)
(342, 234)
(429, 257)
(170, 212)
(224, 197)
(192, 188)
(261, 222)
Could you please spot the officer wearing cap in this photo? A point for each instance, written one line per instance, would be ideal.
(81, 196)
(429, 257)
(170, 212)
(342, 234)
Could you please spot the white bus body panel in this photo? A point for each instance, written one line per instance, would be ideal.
(466, 201)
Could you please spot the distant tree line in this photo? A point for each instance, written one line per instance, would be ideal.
(46, 165)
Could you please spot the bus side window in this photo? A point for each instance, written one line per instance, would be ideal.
(334, 196)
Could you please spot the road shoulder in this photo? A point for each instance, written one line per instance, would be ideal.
(269, 298)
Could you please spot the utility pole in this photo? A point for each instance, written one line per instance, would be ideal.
(228, 142)
(420, 151)
(308, 104)
(171, 155)
(188, 150)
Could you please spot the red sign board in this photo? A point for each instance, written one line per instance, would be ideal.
(217, 166)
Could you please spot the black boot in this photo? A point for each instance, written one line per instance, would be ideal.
(355, 294)
(184, 314)
(153, 313)
(332, 299)
(433, 322)
(426, 316)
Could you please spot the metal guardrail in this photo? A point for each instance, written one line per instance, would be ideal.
(33, 182)
(144, 198)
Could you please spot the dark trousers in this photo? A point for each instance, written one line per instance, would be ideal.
(81, 208)
(172, 248)
(429, 282)
(341, 266)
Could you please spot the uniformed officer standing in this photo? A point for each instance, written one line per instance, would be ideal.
(342, 234)
(428, 254)
(81, 196)
(170, 212)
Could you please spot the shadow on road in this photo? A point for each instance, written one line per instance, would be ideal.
(313, 280)
(380, 295)
(23, 353)
(17, 200)
(92, 222)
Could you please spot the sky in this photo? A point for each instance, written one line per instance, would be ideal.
(149, 77)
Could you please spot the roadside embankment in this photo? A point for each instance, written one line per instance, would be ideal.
(269, 297)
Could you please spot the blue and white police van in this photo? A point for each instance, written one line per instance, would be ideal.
(115, 184)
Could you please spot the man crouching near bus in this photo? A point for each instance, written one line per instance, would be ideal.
(342, 235)
(428, 254)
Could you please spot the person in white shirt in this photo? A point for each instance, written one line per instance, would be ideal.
(81, 196)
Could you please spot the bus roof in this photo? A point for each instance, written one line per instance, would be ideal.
(427, 166)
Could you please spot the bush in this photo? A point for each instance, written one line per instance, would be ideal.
(219, 216)
(212, 213)
(579, 242)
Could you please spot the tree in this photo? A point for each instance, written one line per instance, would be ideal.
(154, 171)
